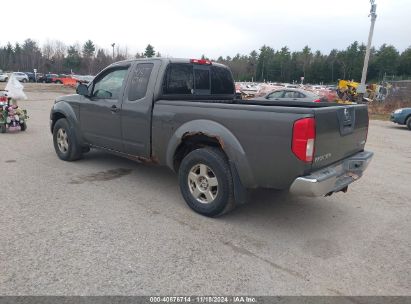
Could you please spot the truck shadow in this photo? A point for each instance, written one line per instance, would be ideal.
(268, 210)
(273, 208)
(398, 127)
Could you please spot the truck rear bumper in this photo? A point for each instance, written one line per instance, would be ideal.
(333, 178)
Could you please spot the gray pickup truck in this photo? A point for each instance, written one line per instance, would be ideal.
(183, 114)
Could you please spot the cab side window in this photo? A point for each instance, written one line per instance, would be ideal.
(109, 85)
(139, 81)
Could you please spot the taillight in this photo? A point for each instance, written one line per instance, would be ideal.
(200, 61)
(304, 139)
(317, 100)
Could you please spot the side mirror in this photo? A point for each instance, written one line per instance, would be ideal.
(82, 89)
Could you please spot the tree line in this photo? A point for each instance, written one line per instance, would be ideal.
(283, 65)
(266, 64)
(56, 57)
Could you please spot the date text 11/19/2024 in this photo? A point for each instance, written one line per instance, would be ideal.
(203, 299)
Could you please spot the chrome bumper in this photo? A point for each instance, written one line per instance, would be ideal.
(333, 178)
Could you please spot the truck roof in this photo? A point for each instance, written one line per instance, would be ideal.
(163, 59)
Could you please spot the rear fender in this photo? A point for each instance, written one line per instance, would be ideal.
(227, 141)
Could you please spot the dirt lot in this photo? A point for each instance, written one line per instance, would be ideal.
(107, 225)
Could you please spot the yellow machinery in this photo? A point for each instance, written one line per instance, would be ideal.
(347, 92)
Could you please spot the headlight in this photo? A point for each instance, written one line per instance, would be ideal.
(398, 111)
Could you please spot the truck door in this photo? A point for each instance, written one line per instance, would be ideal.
(100, 113)
(137, 106)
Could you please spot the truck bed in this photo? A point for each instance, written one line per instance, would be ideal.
(264, 131)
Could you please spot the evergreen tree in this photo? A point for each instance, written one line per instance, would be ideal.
(73, 59)
(88, 49)
(149, 51)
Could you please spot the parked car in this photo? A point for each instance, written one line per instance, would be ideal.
(58, 78)
(47, 78)
(31, 76)
(20, 76)
(289, 94)
(291, 86)
(181, 113)
(65, 79)
(4, 77)
(83, 78)
(402, 117)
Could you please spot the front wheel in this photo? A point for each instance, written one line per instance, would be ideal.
(206, 182)
(65, 141)
(408, 122)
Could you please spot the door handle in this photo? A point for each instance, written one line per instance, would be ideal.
(114, 109)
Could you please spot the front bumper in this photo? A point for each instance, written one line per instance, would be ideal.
(393, 118)
(398, 118)
(333, 178)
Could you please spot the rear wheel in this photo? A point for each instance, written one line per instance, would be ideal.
(58, 82)
(206, 182)
(24, 80)
(65, 141)
(3, 128)
(408, 122)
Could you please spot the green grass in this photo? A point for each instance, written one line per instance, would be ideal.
(379, 116)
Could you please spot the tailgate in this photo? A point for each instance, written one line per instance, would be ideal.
(341, 131)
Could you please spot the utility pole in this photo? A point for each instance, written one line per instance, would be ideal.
(112, 45)
(362, 88)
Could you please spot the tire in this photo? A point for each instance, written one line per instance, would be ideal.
(65, 141)
(23, 126)
(408, 123)
(206, 182)
(58, 82)
(24, 80)
(3, 128)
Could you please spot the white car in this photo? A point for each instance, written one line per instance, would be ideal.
(4, 77)
(20, 76)
(292, 86)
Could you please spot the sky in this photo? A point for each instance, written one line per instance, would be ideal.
(183, 28)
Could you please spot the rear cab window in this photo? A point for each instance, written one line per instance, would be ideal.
(197, 80)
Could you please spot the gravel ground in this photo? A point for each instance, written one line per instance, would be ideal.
(109, 226)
